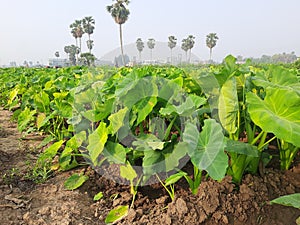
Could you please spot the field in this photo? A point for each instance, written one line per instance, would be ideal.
(150, 145)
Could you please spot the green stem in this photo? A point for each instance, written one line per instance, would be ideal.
(169, 128)
(262, 141)
(257, 138)
(262, 146)
(171, 194)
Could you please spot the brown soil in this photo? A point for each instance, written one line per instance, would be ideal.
(25, 202)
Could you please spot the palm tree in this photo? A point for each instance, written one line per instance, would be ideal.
(190, 42)
(172, 44)
(185, 47)
(88, 28)
(56, 54)
(140, 46)
(120, 14)
(151, 45)
(211, 41)
(90, 45)
(88, 58)
(72, 50)
(77, 31)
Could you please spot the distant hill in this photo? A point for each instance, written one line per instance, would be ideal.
(161, 52)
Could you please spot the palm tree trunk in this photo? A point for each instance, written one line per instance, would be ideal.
(210, 54)
(190, 55)
(80, 45)
(76, 42)
(151, 54)
(76, 51)
(171, 55)
(140, 56)
(121, 42)
(90, 50)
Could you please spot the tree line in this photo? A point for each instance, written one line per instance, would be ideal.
(186, 45)
(120, 14)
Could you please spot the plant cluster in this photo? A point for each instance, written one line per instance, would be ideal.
(78, 29)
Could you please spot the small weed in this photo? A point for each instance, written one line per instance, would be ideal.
(10, 175)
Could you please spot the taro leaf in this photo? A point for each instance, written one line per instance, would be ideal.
(197, 100)
(158, 126)
(46, 141)
(85, 96)
(164, 161)
(97, 141)
(149, 141)
(60, 95)
(104, 109)
(186, 108)
(92, 115)
(288, 200)
(145, 88)
(98, 196)
(167, 88)
(25, 117)
(75, 181)
(229, 106)
(75, 120)
(230, 67)
(230, 64)
(42, 101)
(174, 178)
(99, 110)
(278, 113)
(168, 110)
(115, 152)
(66, 160)
(172, 159)
(76, 141)
(241, 148)
(206, 149)
(210, 86)
(51, 151)
(63, 107)
(280, 77)
(128, 172)
(144, 107)
(40, 120)
(116, 214)
(126, 84)
(142, 97)
(117, 120)
(12, 95)
(153, 162)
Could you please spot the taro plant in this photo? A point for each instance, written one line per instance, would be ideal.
(169, 184)
(206, 150)
(226, 90)
(279, 114)
(127, 172)
(278, 110)
(194, 182)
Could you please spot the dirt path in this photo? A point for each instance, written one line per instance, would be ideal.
(24, 202)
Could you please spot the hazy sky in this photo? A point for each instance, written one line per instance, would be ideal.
(33, 30)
